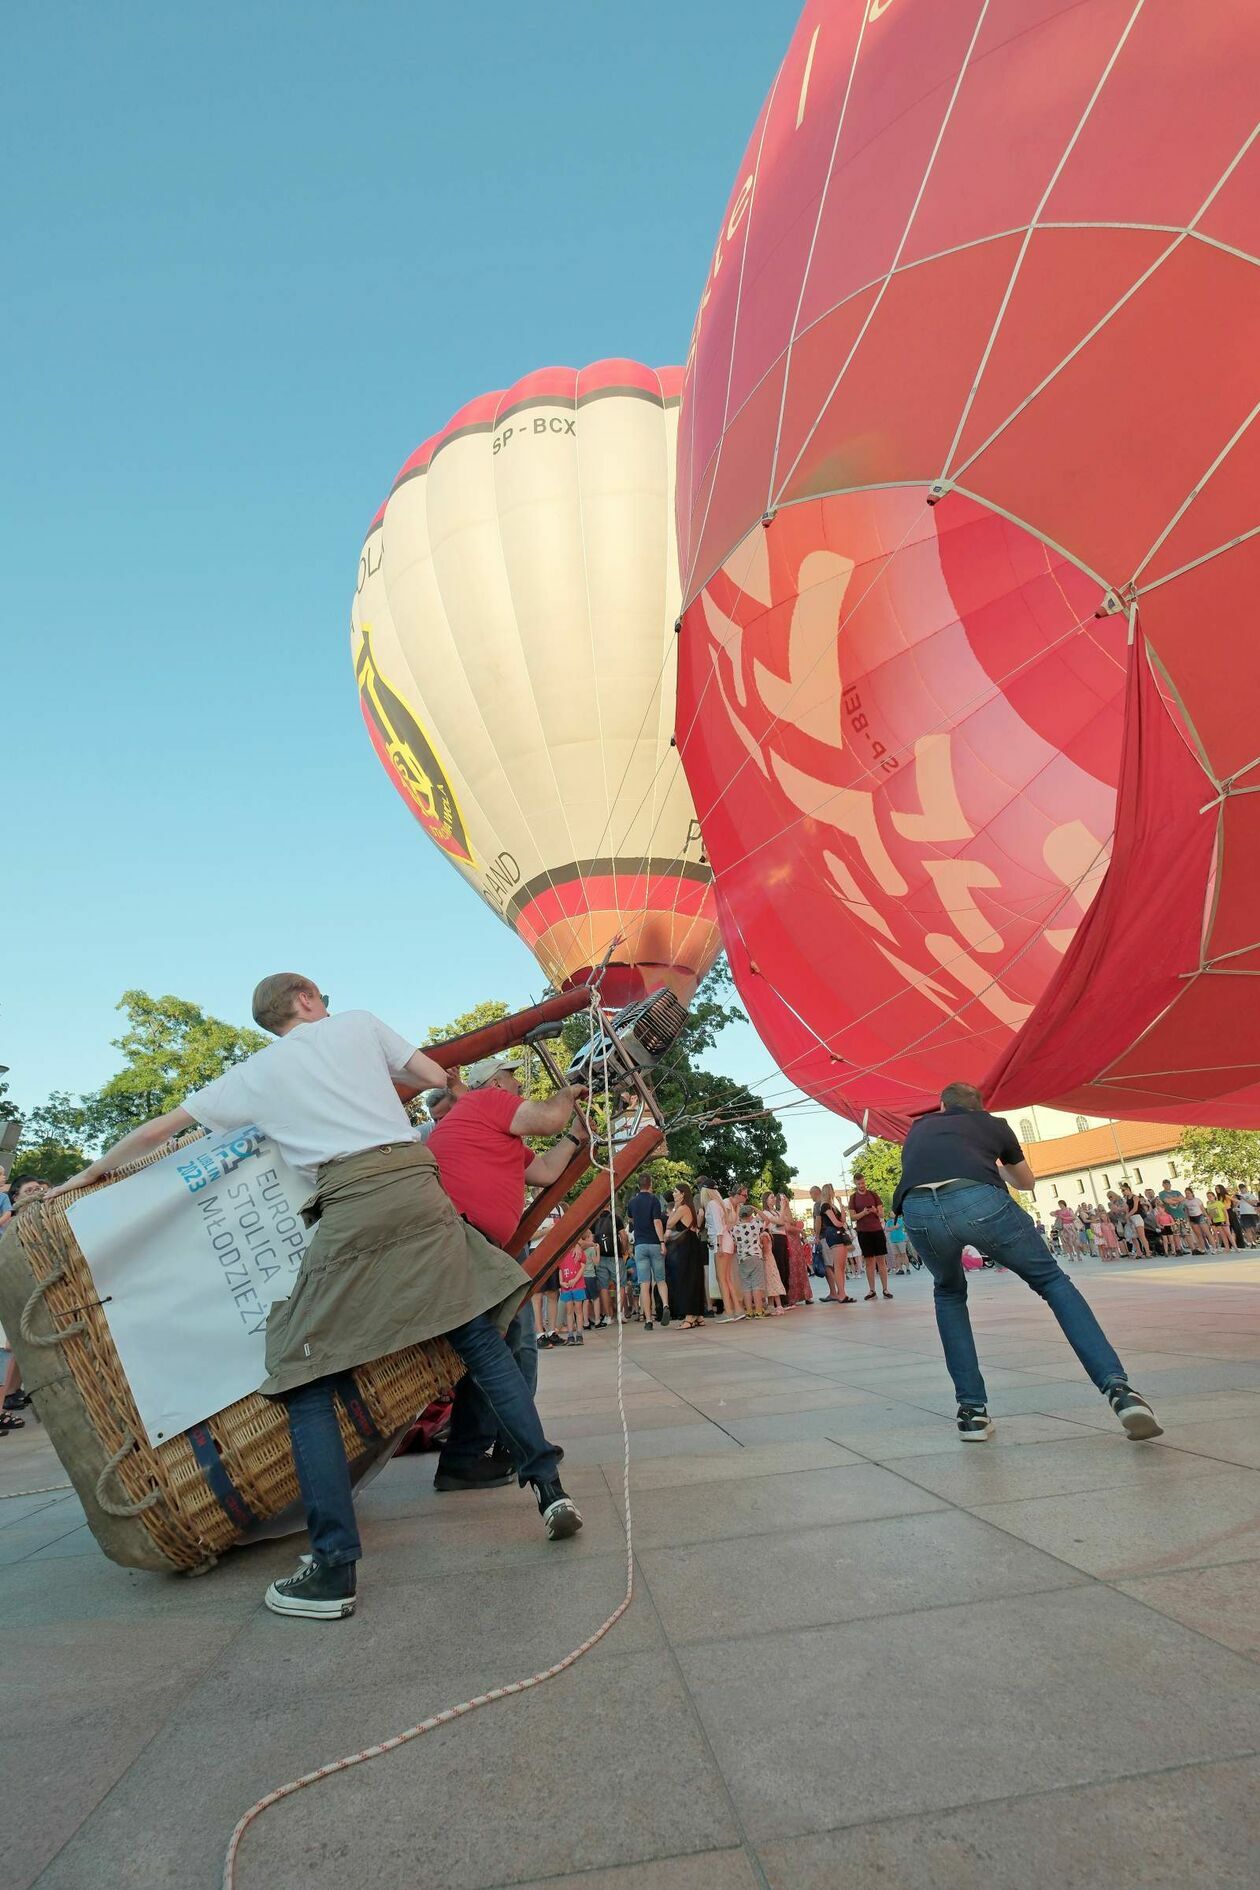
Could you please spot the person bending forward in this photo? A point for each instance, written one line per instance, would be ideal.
(952, 1193)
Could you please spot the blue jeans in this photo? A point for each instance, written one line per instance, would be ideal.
(649, 1262)
(985, 1217)
(474, 1428)
(320, 1458)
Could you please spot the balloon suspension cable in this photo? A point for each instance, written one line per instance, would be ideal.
(602, 1156)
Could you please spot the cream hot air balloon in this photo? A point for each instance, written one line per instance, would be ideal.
(513, 642)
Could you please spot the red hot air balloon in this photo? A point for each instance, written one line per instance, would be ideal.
(969, 512)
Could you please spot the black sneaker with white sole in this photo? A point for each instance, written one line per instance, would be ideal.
(560, 1514)
(1134, 1413)
(318, 1591)
(975, 1426)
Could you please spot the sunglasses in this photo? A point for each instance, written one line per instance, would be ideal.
(323, 998)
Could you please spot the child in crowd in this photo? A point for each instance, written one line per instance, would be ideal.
(750, 1266)
(572, 1294)
(590, 1279)
(775, 1290)
(896, 1232)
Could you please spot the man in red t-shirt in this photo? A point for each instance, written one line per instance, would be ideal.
(867, 1210)
(485, 1165)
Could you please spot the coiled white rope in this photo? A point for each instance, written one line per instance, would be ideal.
(548, 1673)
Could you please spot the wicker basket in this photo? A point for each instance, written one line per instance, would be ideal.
(179, 1505)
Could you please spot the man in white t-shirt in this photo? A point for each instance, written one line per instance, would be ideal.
(391, 1263)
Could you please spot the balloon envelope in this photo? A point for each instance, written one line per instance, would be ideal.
(969, 513)
(513, 642)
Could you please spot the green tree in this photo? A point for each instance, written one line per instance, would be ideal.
(723, 1130)
(52, 1141)
(535, 1082)
(1212, 1155)
(714, 1125)
(666, 1175)
(880, 1162)
(493, 1011)
(170, 1047)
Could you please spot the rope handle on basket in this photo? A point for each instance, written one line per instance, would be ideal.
(63, 1332)
(122, 1509)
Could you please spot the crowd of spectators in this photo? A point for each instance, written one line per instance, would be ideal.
(704, 1253)
(1146, 1224)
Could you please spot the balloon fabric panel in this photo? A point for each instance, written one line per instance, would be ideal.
(966, 497)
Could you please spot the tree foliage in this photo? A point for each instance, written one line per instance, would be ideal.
(714, 1125)
(1212, 1155)
(169, 1048)
(880, 1162)
(52, 1141)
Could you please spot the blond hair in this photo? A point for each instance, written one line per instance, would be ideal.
(273, 1003)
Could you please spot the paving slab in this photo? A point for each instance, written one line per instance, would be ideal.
(55, 1672)
(52, 1782)
(1191, 1826)
(977, 1474)
(711, 1870)
(1061, 1687)
(512, 1623)
(779, 1506)
(1228, 1439)
(1222, 1602)
(934, 1435)
(1144, 1529)
(87, 1588)
(829, 1420)
(853, 1571)
(667, 1473)
(682, 1440)
(502, 1796)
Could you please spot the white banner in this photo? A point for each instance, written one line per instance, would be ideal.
(187, 1257)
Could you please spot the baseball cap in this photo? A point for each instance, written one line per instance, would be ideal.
(477, 1075)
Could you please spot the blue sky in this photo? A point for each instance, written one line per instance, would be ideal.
(255, 255)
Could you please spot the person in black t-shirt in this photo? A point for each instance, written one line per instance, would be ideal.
(955, 1171)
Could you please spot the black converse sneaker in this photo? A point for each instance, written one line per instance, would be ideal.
(318, 1590)
(975, 1426)
(560, 1514)
(1133, 1412)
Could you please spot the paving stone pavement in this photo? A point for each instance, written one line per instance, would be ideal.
(860, 1652)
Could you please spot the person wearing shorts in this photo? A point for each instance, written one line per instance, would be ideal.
(750, 1265)
(1218, 1206)
(896, 1233)
(605, 1234)
(867, 1210)
(1248, 1212)
(1198, 1222)
(572, 1295)
(835, 1246)
(647, 1228)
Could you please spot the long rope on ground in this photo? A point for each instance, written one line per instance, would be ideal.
(514, 1686)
